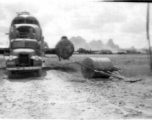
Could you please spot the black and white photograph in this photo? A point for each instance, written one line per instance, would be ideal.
(75, 59)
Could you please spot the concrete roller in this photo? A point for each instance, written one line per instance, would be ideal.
(100, 64)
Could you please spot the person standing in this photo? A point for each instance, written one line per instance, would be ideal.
(42, 47)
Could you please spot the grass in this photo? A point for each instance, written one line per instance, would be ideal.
(130, 65)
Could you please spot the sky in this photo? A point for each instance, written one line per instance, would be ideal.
(123, 22)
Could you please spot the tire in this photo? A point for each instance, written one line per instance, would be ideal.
(10, 75)
(39, 73)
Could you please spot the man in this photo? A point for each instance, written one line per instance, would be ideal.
(43, 46)
(31, 34)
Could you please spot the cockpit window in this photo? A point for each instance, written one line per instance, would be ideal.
(29, 20)
(19, 21)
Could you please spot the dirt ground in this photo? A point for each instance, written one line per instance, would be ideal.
(60, 95)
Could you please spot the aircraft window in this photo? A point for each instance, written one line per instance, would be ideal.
(35, 22)
(31, 21)
(15, 22)
(27, 20)
(19, 21)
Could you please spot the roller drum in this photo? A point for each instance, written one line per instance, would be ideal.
(100, 64)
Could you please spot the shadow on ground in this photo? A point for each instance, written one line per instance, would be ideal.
(27, 76)
(64, 68)
(60, 67)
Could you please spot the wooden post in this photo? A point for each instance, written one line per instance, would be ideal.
(148, 36)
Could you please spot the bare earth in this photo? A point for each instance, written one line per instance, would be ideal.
(59, 95)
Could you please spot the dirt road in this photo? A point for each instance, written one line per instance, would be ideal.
(59, 95)
(51, 96)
